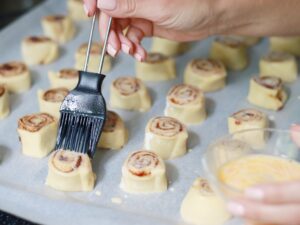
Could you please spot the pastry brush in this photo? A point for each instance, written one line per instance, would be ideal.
(83, 111)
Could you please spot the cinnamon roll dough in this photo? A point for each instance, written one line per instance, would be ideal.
(67, 78)
(51, 99)
(129, 93)
(249, 119)
(15, 76)
(166, 136)
(186, 103)
(4, 102)
(267, 92)
(247, 40)
(39, 50)
(279, 64)
(168, 47)
(59, 28)
(285, 44)
(206, 74)
(75, 10)
(37, 134)
(70, 171)
(156, 67)
(143, 172)
(202, 205)
(114, 134)
(230, 51)
(94, 60)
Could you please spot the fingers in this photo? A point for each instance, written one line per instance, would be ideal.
(276, 193)
(295, 133)
(264, 213)
(90, 7)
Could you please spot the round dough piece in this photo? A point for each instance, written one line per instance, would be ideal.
(129, 93)
(206, 74)
(267, 92)
(186, 103)
(94, 61)
(51, 99)
(59, 28)
(75, 10)
(168, 47)
(37, 134)
(285, 44)
(156, 67)
(4, 102)
(249, 119)
(67, 78)
(39, 50)
(247, 40)
(143, 172)
(202, 206)
(15, 76)
(166, 136)
(279, 64)
(70, 171)
(230, 51)
(114, 134)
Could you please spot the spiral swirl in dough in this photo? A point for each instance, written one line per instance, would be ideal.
(15, 75)
(184, 94)
(66, 161)
(166, 126)
(269, 82)
(35, 122)
(68, 74)
(110, 122)
(67, 78)
(127, 85)
(248, 115)
(55, 95)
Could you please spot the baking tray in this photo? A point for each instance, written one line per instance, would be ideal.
(22, 189)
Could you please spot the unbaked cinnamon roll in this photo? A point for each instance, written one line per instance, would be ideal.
(186, 103)
(114, 134)
(15, 76)
(129, 93)
(4, 102)
(39, 50)
(94, 59)
(143, 172)
(51, 99)
(67, 78)
(166, 136)
(267, 92)
(279, 64)
(230, 51)
(249, 119)
(156, 67)
(168, 47)
(70, 171)
(202, 205)
(206, 74)
(285, 44)
(76, 11)
(37, 134)
(246, 40)
(59, 28)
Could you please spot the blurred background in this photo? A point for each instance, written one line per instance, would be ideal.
(12, 9)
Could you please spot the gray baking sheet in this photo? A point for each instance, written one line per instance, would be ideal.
(22, 189)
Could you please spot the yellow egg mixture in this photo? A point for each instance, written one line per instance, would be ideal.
(258, 169)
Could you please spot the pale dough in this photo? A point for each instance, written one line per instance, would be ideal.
(4, 102)
(70, 171)
(285, 44)
(143, 172)
(166, 136)
(67, 78)
(76, 11)
(37, 133)
(168, 47)
(15, 76)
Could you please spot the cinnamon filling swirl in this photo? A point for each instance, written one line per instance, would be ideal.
(141, 163)
(247, 115)
(55, 95)
(36, 39)
(35, 122)
(204, 187)
(207, 65)
(166, 126)
(110, 122)
(183, 94)
(230, 42)
(68, 74)
(12, 69)
(277, 57)
(66, 161)
(56, 18)
(95, 49)
(127, 85)
(269, 82)
(154, 57)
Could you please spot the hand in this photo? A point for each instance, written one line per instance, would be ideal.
(295, 130)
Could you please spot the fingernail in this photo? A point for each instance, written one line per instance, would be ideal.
(86, 9)
(138, 57)
(125, 48)
(107, 4)
(254, 193)
(236, 209)
(111, 50)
